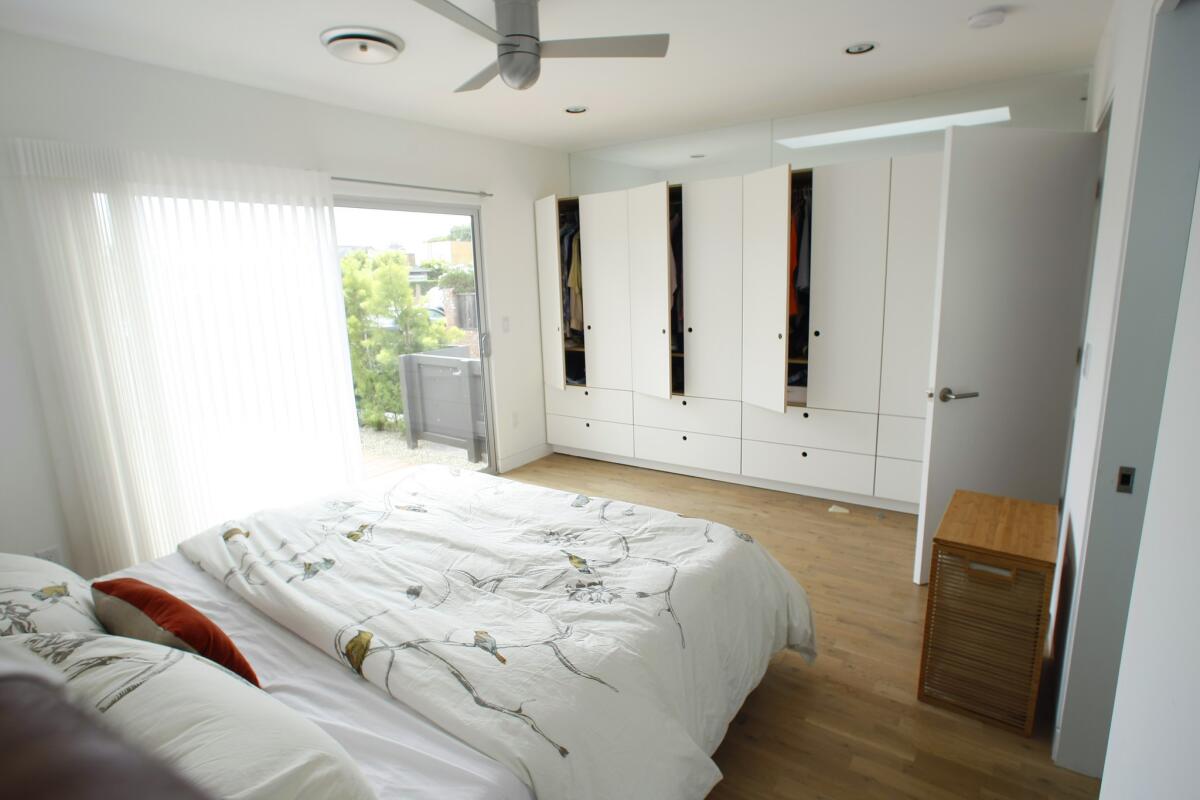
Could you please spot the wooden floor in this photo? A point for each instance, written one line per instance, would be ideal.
(849, 725)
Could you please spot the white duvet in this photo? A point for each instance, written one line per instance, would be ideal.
(597, 648)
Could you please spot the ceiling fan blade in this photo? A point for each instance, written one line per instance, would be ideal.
(652, 45)
(480, 80)
(456, 14)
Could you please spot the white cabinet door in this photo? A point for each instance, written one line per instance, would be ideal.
(604, 243)
(586, 402)
(687, 449)
(807, 466)
(699, 414)
(911, 268)
(849, 258)
(896, 479)
(550, 296)
(598, 436)
(712, 288)
(812, 427)
(765, 214)
(649, 290)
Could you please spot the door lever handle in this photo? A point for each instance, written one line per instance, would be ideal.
(947, 394)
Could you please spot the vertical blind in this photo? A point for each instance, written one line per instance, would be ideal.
(188, 330)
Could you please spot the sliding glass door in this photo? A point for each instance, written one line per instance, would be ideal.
(411, 281)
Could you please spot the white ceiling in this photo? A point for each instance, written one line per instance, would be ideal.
(729, 61)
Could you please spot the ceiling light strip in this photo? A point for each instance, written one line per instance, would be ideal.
(985, 116)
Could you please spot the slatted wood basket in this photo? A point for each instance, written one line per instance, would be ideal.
(985, 633)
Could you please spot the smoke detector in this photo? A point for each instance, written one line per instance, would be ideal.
(362, 45)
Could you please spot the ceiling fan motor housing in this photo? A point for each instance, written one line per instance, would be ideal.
(519, 56)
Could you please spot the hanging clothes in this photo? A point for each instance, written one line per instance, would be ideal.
(568, 238)
(676, 265)
(804, 257)
(793, 263)
(575, 285)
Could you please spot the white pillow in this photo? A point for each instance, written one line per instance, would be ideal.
(38, 596)
(225, 735)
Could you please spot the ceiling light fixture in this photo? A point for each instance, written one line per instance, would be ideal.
(985, 116)
(860, 48)
(696, 155)
(575, 109)
(362, 45)
(988, 18)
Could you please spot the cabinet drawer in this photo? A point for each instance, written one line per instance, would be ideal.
(902, 437)
(896, 479)
(807, 466)
(811, 427)
(590, 434)
(698, 414)
(696, 450)
(611, 405)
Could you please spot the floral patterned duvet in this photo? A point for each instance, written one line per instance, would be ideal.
(598, 649)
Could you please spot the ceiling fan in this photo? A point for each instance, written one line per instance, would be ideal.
(519, 50)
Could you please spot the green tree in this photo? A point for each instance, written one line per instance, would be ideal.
(383, 324)
(458, 233)
(435, 267)
(458, 280)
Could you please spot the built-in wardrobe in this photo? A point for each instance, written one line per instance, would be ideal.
(772, 329)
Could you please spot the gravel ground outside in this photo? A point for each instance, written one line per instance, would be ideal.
(384, 451)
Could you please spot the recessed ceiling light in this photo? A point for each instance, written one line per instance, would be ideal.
(575, 109)
(859, 48)
(987, 116)
(362, 45)
(988, 18)
(696, 155)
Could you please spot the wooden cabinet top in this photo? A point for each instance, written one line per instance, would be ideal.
(1017, 528)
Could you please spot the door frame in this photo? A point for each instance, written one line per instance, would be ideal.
(485, 334)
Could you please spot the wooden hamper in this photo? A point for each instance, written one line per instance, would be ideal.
(988, 608)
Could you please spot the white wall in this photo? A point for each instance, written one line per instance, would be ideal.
(56, 92)
(1144, 222)
(1156, 719)
(33, 518)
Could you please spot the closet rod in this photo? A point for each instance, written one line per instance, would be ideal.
(479, 193)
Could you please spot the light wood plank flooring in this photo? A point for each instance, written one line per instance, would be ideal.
(849, 726)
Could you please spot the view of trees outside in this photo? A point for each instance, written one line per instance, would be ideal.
(408, 280)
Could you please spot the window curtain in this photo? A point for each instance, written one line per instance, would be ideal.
(188, 331)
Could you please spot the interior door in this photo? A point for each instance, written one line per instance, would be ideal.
(545, 217)
(604, 245)
(1016, 228)
(712, 288)
(764, 287)
(649, 290)
(849, 262)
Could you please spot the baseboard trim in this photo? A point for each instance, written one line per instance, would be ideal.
(520, 459)
(758, 483)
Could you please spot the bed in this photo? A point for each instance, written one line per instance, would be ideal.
(467, 636)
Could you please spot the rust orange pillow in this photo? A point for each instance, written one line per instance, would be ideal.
(133, 608)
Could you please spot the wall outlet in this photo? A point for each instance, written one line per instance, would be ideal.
(51, 554)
